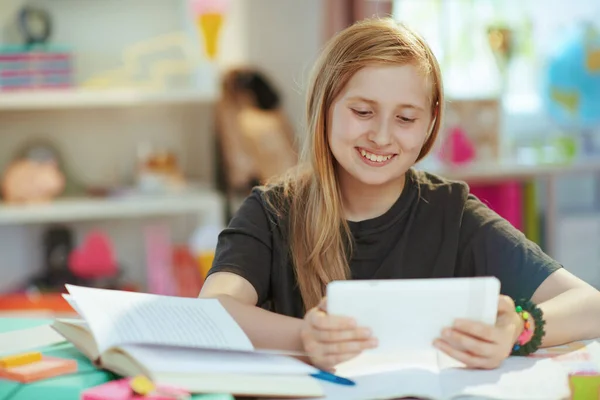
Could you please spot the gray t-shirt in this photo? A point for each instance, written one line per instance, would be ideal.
(435, 229)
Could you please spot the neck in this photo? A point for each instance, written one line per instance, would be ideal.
(362, 202)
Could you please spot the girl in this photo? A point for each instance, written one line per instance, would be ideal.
(355, 209)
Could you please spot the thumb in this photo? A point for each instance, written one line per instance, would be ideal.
(505, 305)
(323, 304)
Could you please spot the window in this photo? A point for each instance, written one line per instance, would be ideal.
(457, 31)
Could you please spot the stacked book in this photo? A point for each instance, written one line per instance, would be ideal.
(28, 68)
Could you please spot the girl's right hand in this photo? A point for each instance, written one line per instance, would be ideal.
(330, 340)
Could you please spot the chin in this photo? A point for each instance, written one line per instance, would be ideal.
(379, 180)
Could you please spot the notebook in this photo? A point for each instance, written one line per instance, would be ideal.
(519, 378)
(192, 344)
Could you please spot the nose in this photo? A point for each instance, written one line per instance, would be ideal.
(381, 133)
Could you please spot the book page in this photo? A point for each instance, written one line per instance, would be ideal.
(183, 360)
(401, 383)
(72, 303)
(518, 378)
(378, 363)
(117, 317)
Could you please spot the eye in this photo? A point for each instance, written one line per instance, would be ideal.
(407, 120)
(361, 113)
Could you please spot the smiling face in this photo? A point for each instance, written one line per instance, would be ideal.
(379, 123)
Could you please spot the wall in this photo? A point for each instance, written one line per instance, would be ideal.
(284, 38)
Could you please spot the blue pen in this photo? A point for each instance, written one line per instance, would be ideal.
(329, 377)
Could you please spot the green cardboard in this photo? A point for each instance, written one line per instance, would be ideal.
(585, 387)
(67, 387)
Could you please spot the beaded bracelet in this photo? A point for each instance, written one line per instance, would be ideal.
(530, 339)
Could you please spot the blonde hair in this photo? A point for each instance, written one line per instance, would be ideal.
(319, 237)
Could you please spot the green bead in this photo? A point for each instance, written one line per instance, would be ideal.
(519, 309)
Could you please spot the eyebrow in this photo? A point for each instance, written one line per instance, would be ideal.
(373, 102)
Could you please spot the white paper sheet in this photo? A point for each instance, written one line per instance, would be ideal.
(196, 361)
(28, 339)
(519, 378)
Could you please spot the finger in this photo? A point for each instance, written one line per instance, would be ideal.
(467, 343)
(470, 360)
(505, 304)
(350, 347)
(477, 329)
(328, 362)
(342, 335)
(318, 355)
(323, 321)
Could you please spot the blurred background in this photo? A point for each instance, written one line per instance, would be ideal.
(130, 130)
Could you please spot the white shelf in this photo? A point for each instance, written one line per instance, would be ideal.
(201, 202)
(494, 172)
(90, 98)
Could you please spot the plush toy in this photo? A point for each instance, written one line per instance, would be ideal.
(94, 259)
(27, 181)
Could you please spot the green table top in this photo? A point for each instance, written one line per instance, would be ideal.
(64, 387)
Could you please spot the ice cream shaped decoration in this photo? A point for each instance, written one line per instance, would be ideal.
(208, 17)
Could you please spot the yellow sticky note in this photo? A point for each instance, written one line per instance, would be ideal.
(17, 360)
(142, 385)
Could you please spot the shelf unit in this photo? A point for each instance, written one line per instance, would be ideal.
(89, 98)
(202, 202)
(205, 203)
(502, 171)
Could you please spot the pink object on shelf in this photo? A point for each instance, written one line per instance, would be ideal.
(159, 260)
(94, 258)
(120, 390)
(505, 198)
(457, 148)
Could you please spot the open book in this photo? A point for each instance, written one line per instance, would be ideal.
(519, 378)
(193, 344)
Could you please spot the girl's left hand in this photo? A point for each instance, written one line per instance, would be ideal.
(479, 345)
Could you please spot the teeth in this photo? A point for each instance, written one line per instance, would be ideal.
(374, 157)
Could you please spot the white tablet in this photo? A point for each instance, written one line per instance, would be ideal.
(411, 313)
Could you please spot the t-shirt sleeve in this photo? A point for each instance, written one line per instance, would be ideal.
(489, 245)
(245, 246)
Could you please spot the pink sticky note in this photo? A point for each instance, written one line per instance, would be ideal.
(120, 390)
(48, 367)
